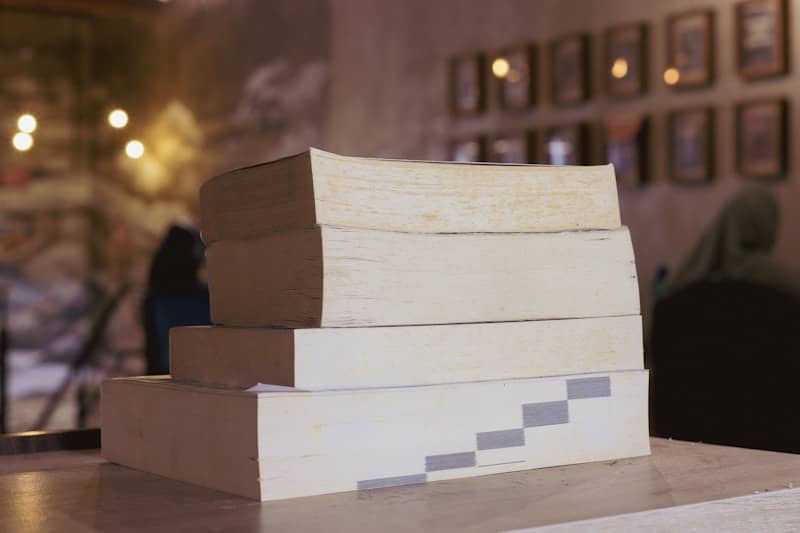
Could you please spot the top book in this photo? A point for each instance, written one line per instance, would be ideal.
(321, 188)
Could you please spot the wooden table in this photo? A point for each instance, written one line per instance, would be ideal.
(80, 492)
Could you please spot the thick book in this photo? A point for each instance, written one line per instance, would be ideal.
(331, 276)
(317, 187)
(275, 445)
(341, 358)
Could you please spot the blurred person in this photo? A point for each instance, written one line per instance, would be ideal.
(175, 294)
(738, 247)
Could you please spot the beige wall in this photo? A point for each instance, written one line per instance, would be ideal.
(388, 98)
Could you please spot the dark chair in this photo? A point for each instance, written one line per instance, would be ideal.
(725, 366)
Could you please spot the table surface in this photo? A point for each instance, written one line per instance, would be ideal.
(80, 492)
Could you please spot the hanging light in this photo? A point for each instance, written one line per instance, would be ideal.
(26, 123)
(22, 141)
(118, 118)
(134, 149)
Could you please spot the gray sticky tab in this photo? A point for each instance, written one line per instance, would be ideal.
(588, 388)
(505, 438)
(545, 414)
(380, 483)
(449, 460)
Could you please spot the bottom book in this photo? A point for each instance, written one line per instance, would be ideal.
(285, 444)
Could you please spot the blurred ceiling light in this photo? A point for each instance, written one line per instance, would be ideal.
(134, 149)
(620, 68)
(500, 67)
(671, 76)
(118, 119)
(26, 123)
(22, 141)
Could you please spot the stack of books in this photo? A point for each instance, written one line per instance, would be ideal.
(382, 323)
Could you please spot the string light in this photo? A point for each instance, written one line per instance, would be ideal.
(22, 141)
(118, 118)
(26, 123)
(134, 149)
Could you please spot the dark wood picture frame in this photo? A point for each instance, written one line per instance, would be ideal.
(692, 56)
(751, 62)
(629, 43)
(468, 150)
(691, 145)
(513, 148)
(518, 89)
(570, 72)
(627, 148)
(577, 137)
(468, 75)
(762, 138)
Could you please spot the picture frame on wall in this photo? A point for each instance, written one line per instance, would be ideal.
(570, 72)
(761, 138)
(626, 138)
(468, 84)
(690, 49)
(691, 145)
(626, 60)
(567, 144)
(516, 73)
(471, 150)
(761, 38)
(514, 148)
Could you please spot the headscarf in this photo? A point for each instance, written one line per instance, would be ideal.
(737, 246)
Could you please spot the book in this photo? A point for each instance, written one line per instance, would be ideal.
(341, 358)
(275, 445)
(317, 187)
(331, 276)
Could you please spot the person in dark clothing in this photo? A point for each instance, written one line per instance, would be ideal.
(175, 295)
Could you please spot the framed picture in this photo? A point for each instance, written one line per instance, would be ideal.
(691, 145)
(468, 84)
(690, 53)
(761, 138)
(761, 48)
(517, 148)
(569, 60)
(516, 73)
(626, 60)
(626, 148)
(567, 145)
(468, 150)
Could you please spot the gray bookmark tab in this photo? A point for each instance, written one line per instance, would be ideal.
(505, 438)
(545, 414)
(588, 388)
(449, 460)
(397, 481)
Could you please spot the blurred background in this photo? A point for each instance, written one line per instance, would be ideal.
(113, 112)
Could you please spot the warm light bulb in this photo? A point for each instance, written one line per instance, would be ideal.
(134, 149)
(500, 67)
(26, 123)
(118, 118)
(671, 76)
(22, 141)
(620, 68)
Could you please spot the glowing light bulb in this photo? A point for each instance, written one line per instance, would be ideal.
(134, 149)
(22, 141)
(671, 76)
(118, 118)
(500, 67)
(620, 68)
(26, 123)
